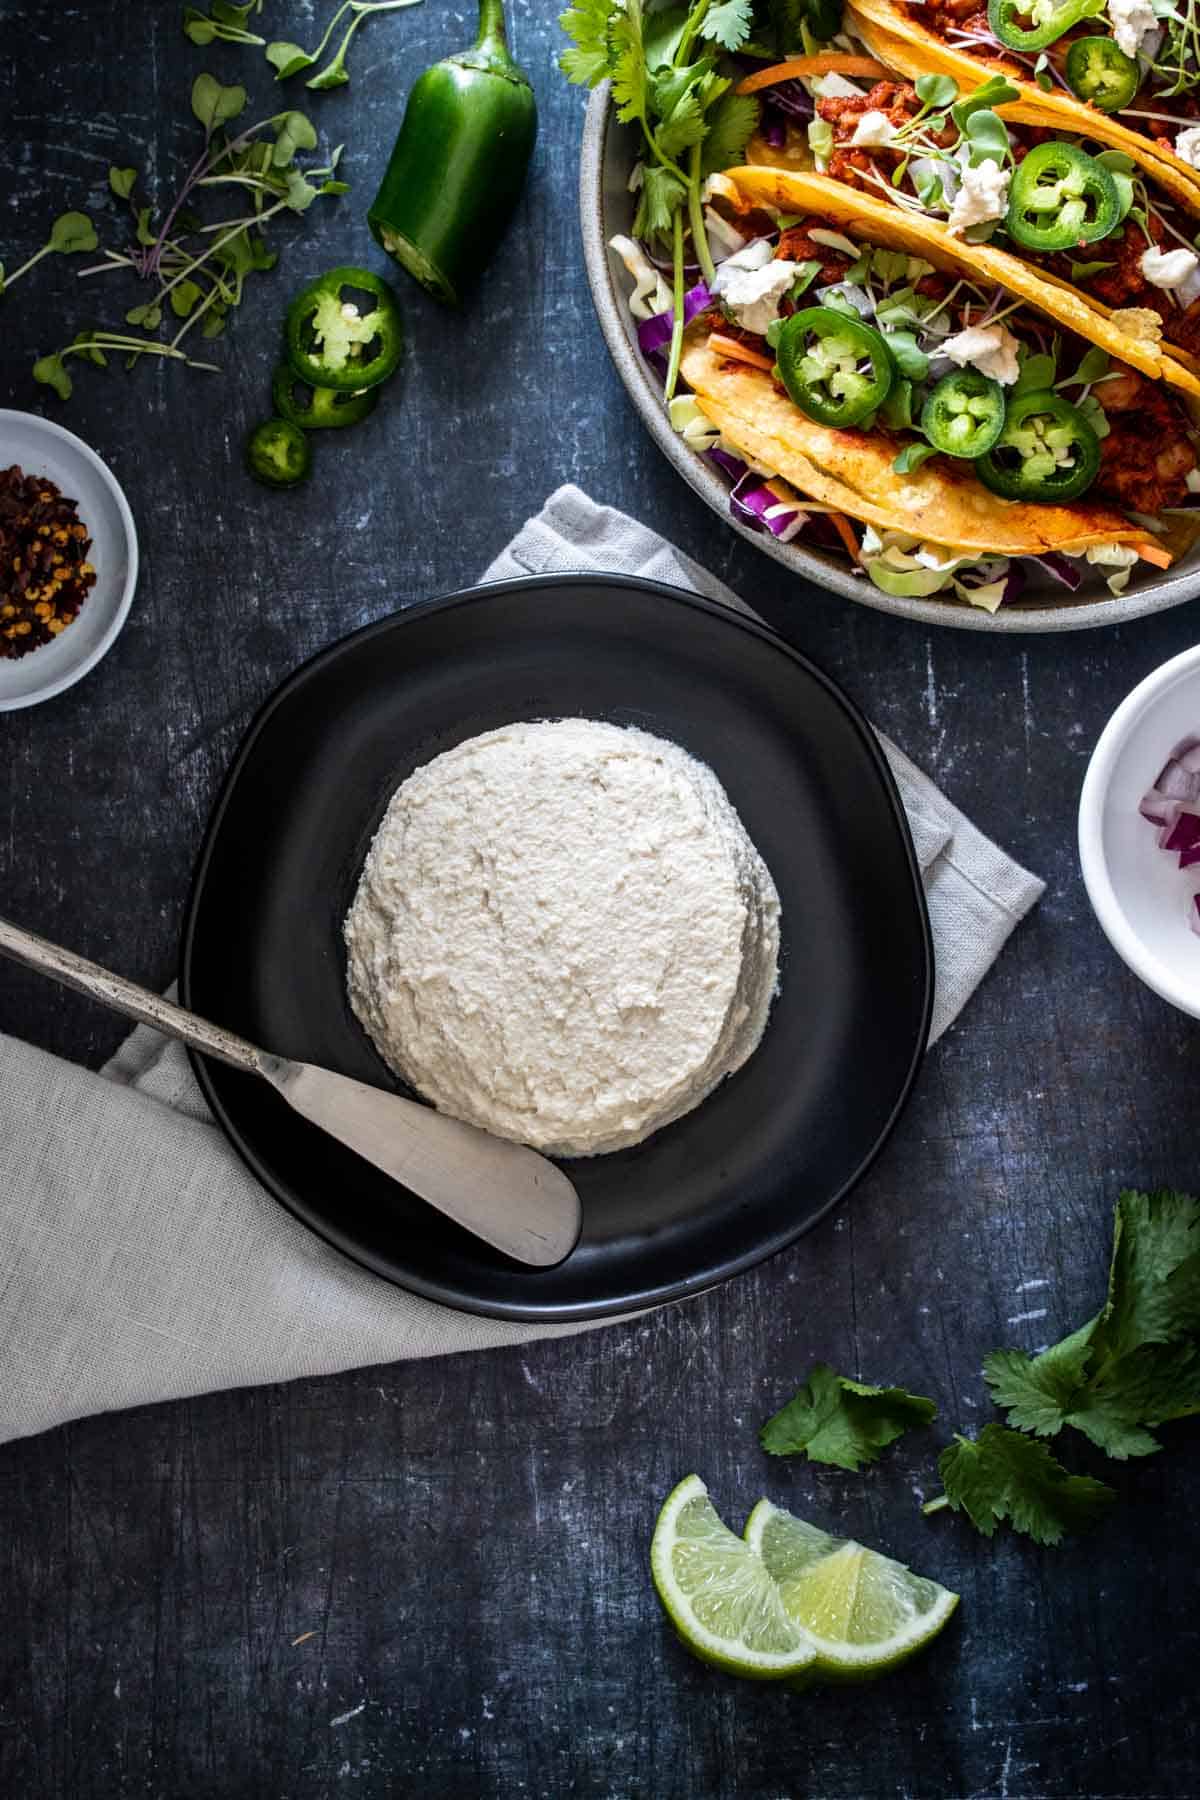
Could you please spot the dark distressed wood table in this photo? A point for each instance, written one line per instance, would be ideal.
(431, 1578)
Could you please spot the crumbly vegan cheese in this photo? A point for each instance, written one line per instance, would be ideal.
(563, 933)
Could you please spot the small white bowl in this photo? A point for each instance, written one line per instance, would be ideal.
(1140, 895)
(43, 448)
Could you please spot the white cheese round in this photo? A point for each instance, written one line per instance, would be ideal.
(563, 934)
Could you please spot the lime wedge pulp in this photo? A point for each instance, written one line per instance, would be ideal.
(717, 1593)
(863, 1612)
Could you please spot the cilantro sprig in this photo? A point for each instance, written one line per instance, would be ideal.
(1132, 1368)
(666, 81)
(832, 1419)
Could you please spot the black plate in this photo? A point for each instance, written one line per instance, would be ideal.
(779, 1142)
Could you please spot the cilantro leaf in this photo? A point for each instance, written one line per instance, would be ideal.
(659, 199)
(628, 65)
(1038, 1392)
(731, 125)
(728, 23)
(683, 127)
(1154, 1235)
(1003, 1475)
(589, 59)
(834, 1420)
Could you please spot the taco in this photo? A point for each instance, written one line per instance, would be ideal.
(876, 378)
(1122, 71)
(1107, 230)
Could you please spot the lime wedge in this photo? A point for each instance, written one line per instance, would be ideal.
(864, 1613)
(717, 1593)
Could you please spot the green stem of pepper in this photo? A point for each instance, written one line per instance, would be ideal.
(677, 329)
(696, 216)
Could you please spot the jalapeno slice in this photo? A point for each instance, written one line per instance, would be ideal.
(317, 408)
(334, 342)
(1048, 19)
(1061, 197)
(278, 454)
(964, 414)
(1098, 70)
(1046, 451)
(835, 368)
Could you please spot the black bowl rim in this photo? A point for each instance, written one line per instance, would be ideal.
(323, 1228)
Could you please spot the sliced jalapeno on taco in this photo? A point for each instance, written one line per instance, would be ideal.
(1140, 95)
(917, 407)
(1100, 74)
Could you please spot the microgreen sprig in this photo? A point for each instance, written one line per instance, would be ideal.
(199, 269)
(224, 23)
(70, 233)
(289, 59)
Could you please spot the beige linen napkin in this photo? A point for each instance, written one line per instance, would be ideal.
(139, 1260)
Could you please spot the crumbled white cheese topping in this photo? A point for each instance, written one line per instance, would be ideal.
(752, 284)
(982, 195)
(873, 131)
(992, 349)
(564, 934)
(834, 87)
(650, 295)
(1187, 146)
(1168, 268)
(1130, 20)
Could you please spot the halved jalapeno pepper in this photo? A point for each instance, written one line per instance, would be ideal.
(1046, 451)
(1099, 71)
(1060, 197)
(964, 414)
(1048, 19)
(333, 342)
(318, 408)
(835, 368)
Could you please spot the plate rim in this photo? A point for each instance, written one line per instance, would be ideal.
(49, 690)
(440, 1293)
(1117, 609)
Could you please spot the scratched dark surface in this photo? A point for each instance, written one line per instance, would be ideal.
(460, 1545)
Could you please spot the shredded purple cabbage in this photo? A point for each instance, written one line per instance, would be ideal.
(774, 132)
(751, 500)
(655, 334)
(728, 463)
(1063, 568)
(791, 98)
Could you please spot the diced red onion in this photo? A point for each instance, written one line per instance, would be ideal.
(1183, 834)
(1188, 857)
(1187, 755)
(1158, 809)
(1196, 914)
(1062, 568)
(1175, 783)
(655, 334)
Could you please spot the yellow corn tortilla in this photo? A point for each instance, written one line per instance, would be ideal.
(867, 220)
(852, 472)
(878, 21)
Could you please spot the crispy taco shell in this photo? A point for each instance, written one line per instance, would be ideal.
(885, 25)
(852, 472)
(868, 220)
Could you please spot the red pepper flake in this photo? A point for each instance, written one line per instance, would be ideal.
(45, 575)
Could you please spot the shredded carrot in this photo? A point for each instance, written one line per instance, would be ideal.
(845, 531)
(830, 62)
(720, 345)
(1154, 553)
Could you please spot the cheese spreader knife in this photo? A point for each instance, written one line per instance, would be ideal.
(506, 1194)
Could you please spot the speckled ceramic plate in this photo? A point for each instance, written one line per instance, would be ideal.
(606, 208)
(776, 1144)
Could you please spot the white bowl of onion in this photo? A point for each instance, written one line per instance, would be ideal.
(1139, 831)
